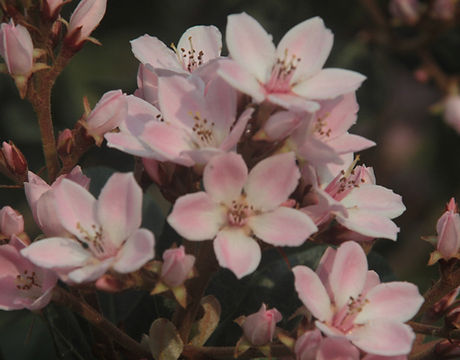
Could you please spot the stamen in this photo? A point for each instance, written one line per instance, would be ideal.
(26, 280)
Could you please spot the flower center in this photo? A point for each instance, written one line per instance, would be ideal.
(93, 239)
(320, 128)
(344, 319)
(190, 58)
(27, 280)
(239, 212)
(203, 129)
(282, 72)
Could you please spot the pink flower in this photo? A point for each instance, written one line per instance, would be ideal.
(11, 222)
(452, 112)
(13, 159)
(195, 123)
(197, 46)
(108, 113)
(259, 328)
(357, 203)
(85, 18)
(290, 75)
(321, 137)
(23, 285)
(16, 48)
(238, 206)
(349, 301)
(176, 267)
(106, 232)
(42, 199)
(448, 229)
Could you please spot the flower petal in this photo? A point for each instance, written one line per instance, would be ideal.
(237, 252)
(312, 293)
(56, 252)
(329, 83)
(396, 301)
(138, 249)
(237, 130)
(250, 45)
(310, 42)
(382, 337)
(293, 102)
(271, 181)
(205, 40)
(90, 272)
(282, 227)
(196, 216)
(348, 273)
(224, 177)
(350, 143)
(337, 348)
(119, 207)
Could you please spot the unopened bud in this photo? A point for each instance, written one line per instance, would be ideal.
(14, 160)
(448, 229)
(259, 328)
(177, 266)
(11, 222)
(52, 8)
(65, 142)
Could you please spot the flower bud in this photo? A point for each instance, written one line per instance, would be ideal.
(65, 142)
(307, 345)
(16, 48)
(452, 112)
(14, 159)
(448, 229)
(406, 11)
(177, 265)
(51, 8)
(11, 222)
(259, 328)
(108, 113)
(85, 18)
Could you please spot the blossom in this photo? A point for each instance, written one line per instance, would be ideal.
(195, 122)
(176, 267)
(236, 207)
(349, 301)
(84, 19)
(16, 48)
(448, 229)
(105, 232)
(259, 328)
(23, 285)
(42, 199)
(11, 222)
(357, 203)
(290, 75)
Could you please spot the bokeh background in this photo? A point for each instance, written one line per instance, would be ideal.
(417, 154)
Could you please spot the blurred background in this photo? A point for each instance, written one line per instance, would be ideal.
(417, 153)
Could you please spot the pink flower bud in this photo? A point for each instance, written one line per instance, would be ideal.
(65, 142)
(11, 222)
(51, 8)
(176, 266)
(452, 112)
(108, 113)
(259, 327)
(16, 48)
(448, 229)
(14, 159)
(406, 11)
(85, 18)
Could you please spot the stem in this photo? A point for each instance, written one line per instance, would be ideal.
(434, 331)
(63, 297)
(227, 352)
(424, 351)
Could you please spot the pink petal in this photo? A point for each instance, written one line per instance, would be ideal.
(282, 227)
(396, 301)
(200, 156)
(237, 251)
(281, 124)
(127, 143)
(317, 152)
(312, 293)
(329, 83)
(224, 177)
(197, 217)
(271, 181)
(90, 272)
(47, 216)
(372, 280)
(339, 114)
(237, 130)
(150, 50)
(348, 273)
(337, 348)
(76, 207)
(137, 250)
(376, 200)
(311, 42)
(119, 207)
(205, 39)
(325, 267)
(350, 143)
(34, 188)
(369, 224)
(293, 102)
(56, 252)
(382, 337)
(9, 294)
(242, 80)
(329, 330)
(448, 229)
(250, 45)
